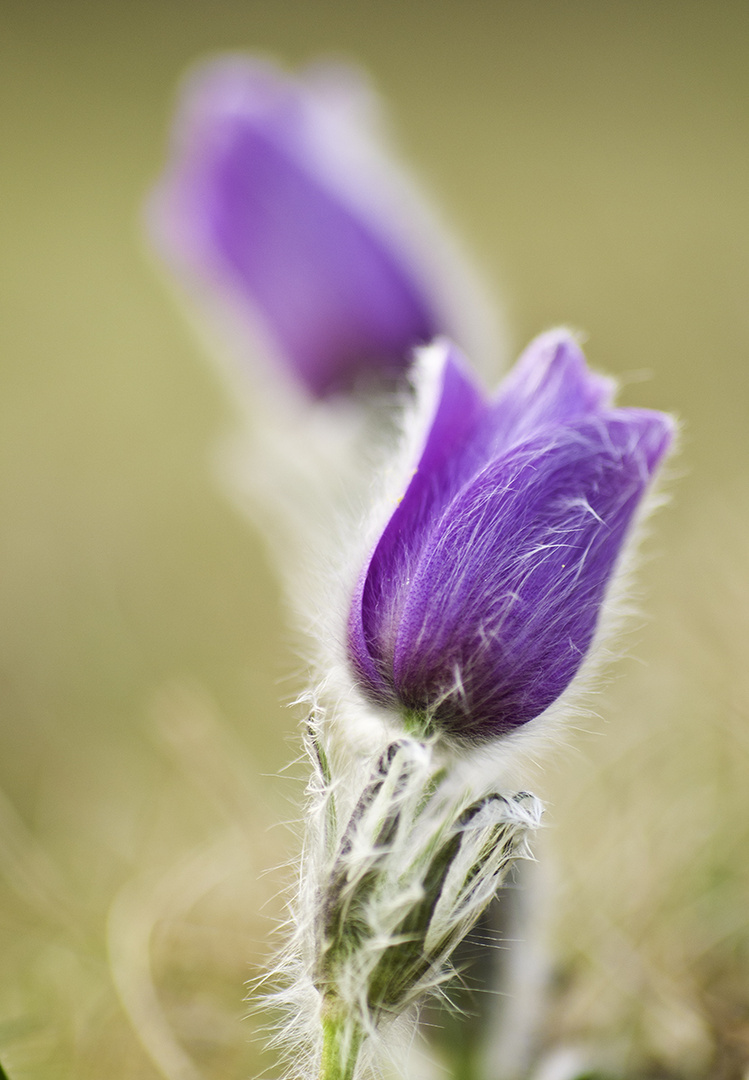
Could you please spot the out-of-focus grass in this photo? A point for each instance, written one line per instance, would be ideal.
(595, 158)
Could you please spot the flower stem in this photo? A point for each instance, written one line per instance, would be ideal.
(342, 1041)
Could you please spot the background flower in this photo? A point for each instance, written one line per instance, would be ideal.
(280, 203)
(481, 599)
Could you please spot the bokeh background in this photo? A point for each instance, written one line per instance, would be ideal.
(594, 157)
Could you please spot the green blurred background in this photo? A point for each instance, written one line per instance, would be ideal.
(594, 157)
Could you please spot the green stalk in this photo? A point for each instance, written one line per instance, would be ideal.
(342, 1041)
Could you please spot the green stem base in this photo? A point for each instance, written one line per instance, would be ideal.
(342, 1041)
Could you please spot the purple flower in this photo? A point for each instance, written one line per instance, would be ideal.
(481, 598)
(277, 207)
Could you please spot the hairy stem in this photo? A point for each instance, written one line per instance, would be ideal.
(342, 1041)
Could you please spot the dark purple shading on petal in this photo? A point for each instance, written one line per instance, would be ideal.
(244, 204)
(504, 604)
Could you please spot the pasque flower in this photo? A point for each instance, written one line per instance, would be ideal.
(481, 599)
(279, 206)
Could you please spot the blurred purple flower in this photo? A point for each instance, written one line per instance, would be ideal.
(481, 598)
(277, 205)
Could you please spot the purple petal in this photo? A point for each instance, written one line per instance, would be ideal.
(550, 384)
(441, 470)
(503, 606)
(246, 207)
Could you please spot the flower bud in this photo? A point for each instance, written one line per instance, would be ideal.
(286, 217)
(481, 599)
